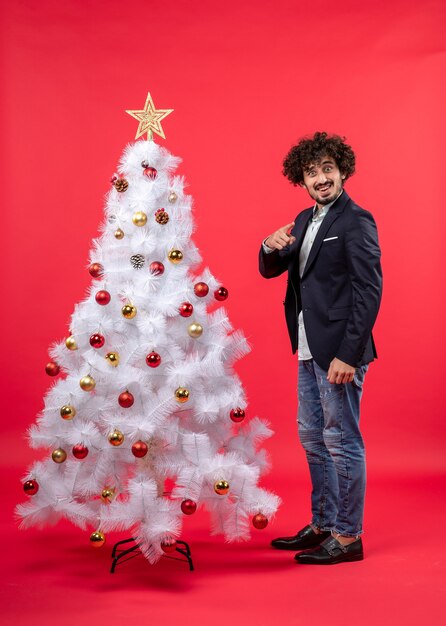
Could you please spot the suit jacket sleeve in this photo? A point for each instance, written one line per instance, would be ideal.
(364, 266)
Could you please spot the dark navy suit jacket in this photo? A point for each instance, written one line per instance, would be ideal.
(340, 289)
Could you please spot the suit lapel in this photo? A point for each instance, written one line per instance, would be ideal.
(300, 234)
(328, 220)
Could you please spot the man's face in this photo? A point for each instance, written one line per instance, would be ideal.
(323, 180)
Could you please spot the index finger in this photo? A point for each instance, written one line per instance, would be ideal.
(288, 228)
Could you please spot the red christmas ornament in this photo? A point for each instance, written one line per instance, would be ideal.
(140, 449)
(260, 521)
(221, 294)
(113, 178)
(52, 368)
(188, 507)
(237, 415)
(31, 487)
(186, 309)
(153, 359)
(201, 290)
(169, 546)
(156, 268)
(126, 399)
(150, 172)
(97, 340)
(79, 451)
(96, 270)
(102, 297)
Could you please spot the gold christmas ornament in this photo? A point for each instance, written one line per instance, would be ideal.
(182, 395)
(87, 383)
(195, 330)
(70, 342)
(116, 437)
(97, 539)
(150, 119)
(175, 256)
(139, 218)
(107, 495)
(112, 358)
(67, 412)
(119, 233)
(59, 455)
(128, 311)
(221, 487)
(121, 185)
(172, 197)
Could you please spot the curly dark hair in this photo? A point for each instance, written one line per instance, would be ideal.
(311, 150)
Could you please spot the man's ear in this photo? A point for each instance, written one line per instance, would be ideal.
(343, 176)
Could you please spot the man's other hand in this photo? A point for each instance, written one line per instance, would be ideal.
(281, 238)
(340, 372)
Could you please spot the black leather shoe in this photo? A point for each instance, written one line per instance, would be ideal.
(331, 552)
(305, 538)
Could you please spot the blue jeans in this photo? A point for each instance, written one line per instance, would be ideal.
(328, 423)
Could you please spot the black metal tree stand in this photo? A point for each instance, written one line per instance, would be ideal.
(121, 555)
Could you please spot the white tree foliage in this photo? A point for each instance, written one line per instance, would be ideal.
(194, 444)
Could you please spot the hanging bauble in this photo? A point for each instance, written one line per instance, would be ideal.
(87, 383)
(188, 507)
(97, 539)
(97, 340)
(59, 455)
(116, 437)
(237, 415)
(119, 233)
(139, 218)
(67, 412)
(168, 546)
(172, 197)
(96, 270)
(128, 311)
(140, 449)
(186, 309)
(156, 268)
(182, 395)
(112, 358)
(195, 330)
(221, 294)
(161, 216)
(137, 261)
(126, 399)
(107, 495)
(102, 297)
(111, 219)
(221, 487)
(70, 343)
(114, 178)
(79, 451)
(52, 368)
(121, 185)
(150, 172)
(31, 487)
(260, 521)
(175, 256)
(201, 290)
(144, 164)
(153, 359)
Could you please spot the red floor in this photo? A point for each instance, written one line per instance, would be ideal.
(53, 576)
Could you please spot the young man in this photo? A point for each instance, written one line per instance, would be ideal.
(332, 256)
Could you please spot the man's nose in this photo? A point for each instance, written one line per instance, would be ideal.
(321, 178)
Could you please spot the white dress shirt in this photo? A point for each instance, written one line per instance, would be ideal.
(303, 350)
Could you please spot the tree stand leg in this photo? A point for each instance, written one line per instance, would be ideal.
(120, 555)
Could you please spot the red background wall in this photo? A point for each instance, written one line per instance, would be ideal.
(246, 80)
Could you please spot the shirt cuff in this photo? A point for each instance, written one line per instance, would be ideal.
(266, 249)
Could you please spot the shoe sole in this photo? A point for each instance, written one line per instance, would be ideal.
(295, 549)
(356, 557)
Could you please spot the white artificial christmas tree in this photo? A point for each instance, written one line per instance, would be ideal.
(149, 393)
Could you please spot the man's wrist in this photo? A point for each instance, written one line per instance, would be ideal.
(266, 249)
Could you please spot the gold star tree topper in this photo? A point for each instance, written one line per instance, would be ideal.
(150, 119)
